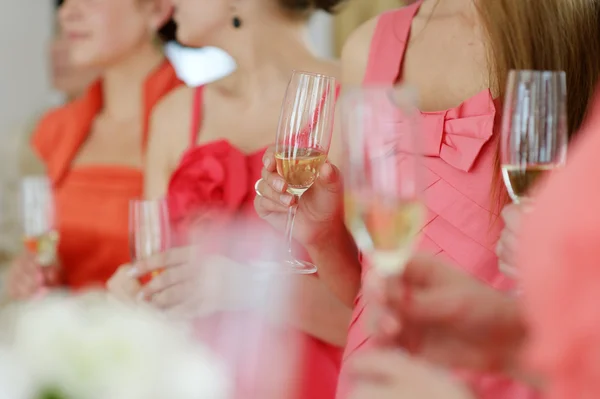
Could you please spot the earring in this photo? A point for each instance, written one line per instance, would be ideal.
(237, 22)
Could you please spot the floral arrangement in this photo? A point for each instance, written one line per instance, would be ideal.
(92, 347)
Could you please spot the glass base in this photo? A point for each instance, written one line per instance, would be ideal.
(300, 267)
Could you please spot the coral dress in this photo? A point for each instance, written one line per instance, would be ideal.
(560, 272)
(461, 226)
(217, 177)
(92, 201)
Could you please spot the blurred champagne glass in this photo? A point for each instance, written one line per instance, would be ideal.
(534, 129)
(38, 215)
(383, 208)
(149, 231)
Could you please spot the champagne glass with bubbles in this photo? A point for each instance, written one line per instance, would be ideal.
(381, 169)
(534, 129)
(302, 143)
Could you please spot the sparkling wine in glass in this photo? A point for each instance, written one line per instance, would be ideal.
(302, 143)
(40, 236)
(382, 204)
(534, 129)
(149, 231)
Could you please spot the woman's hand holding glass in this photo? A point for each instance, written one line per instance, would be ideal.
(37, 268)
(181, 286)
(319, 213)
(449, 318)
(26, 278)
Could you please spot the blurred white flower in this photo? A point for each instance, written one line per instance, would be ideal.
(89, 347)
(15, 382)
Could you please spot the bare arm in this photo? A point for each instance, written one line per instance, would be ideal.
(319, 312)
(337, 255)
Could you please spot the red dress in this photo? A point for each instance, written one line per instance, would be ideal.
(92, 201)
(217, 176)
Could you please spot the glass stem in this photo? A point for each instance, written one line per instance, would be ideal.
(289, 229)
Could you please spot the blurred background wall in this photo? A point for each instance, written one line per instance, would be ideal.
(25, 30)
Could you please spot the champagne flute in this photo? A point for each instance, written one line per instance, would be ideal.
(534, 129)
(149, 231)
(40, 236)
(302, 143)
(383, 210)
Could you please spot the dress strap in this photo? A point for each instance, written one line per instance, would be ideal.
(388, 45)
(196, 116)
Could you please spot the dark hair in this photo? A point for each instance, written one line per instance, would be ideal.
(166, 33)
(307, 6)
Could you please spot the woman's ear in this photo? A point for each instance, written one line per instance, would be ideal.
(160, 11)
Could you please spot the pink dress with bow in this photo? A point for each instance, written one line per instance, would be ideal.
(217, 179)
(560, 272)
(461, 224)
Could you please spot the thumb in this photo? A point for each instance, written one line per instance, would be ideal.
(329, 178)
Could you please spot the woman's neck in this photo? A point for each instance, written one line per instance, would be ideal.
(123, 84)
(264, 56)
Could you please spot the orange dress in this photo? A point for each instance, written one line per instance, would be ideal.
(92, 201)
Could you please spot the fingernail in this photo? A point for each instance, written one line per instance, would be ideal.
(141, 296)
(278, 185)
(267, 162)
(286, 199)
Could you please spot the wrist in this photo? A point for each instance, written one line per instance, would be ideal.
(334, 237)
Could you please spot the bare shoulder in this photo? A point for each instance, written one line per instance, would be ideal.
(355, 53)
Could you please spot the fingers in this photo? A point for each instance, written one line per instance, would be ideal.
(508, 270)
(51, 275)
(123, 284)
(164, 260)
(329, 177)
(381, 365)
(269, 187)
(25, 278)
(511, 215)
(173, 296)
(506, 251)
(265, 206)
(369, 390)
(269, 159)
(424, 270)
(168, 278)
(274, 187)
(273, 197)
(431, 306)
